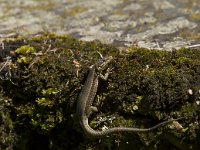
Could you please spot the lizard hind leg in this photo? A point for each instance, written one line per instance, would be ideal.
(91, 109)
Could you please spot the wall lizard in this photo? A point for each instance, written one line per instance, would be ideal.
(86, 98)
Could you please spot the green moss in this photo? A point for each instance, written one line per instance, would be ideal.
(49, 91)
(145, 87)
(25, 50)
(8, 136)
(24, 53)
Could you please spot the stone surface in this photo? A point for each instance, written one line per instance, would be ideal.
(152, 24)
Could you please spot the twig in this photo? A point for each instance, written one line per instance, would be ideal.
(7, 61)
(192, 46)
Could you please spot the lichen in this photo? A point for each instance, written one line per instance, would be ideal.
(187, 34)
(195, 16)
(75, 10)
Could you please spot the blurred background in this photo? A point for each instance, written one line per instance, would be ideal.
(146, 23)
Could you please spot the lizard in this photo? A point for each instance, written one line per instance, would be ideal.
(86, 97)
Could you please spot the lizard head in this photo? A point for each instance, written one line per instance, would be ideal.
(103, 62)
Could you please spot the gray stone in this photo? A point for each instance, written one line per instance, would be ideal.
(126, 21)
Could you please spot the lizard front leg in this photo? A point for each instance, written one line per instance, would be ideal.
(105, 76)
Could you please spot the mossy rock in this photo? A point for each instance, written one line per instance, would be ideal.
(44, 74)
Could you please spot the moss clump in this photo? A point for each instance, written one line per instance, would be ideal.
(8, 134)
(45, 86)
(155, 85)
(25, 50)
(144, 88)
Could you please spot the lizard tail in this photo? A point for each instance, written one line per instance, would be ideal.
(95, 133)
